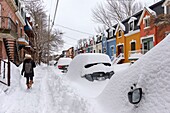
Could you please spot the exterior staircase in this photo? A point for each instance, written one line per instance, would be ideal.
(12, 50)
(118, 58)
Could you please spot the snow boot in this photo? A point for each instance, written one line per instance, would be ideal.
(31, 82)
(28, 86)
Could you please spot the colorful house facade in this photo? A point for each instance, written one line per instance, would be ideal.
(111, 43)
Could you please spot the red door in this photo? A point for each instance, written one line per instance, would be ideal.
(120, 49)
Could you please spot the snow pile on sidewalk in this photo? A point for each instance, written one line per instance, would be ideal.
(152, 73)
(50, 94)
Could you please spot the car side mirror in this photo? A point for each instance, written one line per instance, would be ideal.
(135, 96)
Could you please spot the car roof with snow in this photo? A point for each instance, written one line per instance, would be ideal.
(64, 61)
(88, 58)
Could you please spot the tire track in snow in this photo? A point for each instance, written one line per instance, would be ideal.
(46, 97)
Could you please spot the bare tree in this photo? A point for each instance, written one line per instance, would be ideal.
(114, 10)
(37, 12)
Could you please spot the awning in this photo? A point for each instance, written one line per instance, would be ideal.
(22, 41)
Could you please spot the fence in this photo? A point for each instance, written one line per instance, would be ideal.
(5, 72)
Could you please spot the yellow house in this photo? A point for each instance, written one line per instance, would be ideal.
(128, 39)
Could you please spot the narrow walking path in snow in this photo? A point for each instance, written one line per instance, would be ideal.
(50, 94)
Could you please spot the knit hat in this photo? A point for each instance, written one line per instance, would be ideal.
(27, 56)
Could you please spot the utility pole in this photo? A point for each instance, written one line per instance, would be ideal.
(49, 31)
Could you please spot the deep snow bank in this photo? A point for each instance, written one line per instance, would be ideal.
(152, 73)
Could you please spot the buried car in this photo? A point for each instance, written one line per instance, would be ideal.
(92, 66)
(63, 64)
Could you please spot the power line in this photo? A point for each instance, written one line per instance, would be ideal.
(74, 30)
(70, 37)
(68, 43)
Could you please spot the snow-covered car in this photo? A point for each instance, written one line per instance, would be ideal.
(63, 64)
(92, 66)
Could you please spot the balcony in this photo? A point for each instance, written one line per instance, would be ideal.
(134, 55)
(8, 29)
(12, 4)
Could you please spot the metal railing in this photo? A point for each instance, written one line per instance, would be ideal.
(136, 54)
(118, 58)
(7, 25)
(5, 72)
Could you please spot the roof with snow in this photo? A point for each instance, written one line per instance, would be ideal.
(120, 26)
(150, 11)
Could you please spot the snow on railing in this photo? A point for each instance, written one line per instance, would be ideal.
(136, 54)
(118, 58)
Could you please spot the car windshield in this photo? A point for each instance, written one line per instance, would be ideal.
(90, 65)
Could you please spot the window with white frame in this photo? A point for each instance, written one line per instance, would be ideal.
(168, 9)
(147, 21)
(131, 26)
(120, 33)
(112, 49)
(133, 46)
(110, 33)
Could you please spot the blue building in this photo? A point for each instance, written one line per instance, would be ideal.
(111, 48)
(104, 44)
(111, 42)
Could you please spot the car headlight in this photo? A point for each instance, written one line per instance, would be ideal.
(89, 77)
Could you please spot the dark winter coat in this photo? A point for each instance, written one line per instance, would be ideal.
(23, 69)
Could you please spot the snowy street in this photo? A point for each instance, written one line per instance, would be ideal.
(49, 95)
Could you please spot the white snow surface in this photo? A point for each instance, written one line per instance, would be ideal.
(151, 11)
(54, 92)
(50, 94)
(64, 61)
(121, 26)
(75, 71)
(151, 73)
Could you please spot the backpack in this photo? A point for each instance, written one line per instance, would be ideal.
(28, 67)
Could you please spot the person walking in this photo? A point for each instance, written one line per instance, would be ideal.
(28, 70)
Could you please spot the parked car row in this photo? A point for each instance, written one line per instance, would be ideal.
(91, 66)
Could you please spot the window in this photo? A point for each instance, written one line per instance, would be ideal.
(147, 22)
(94, 51)
(168, 9)
(9, 21)
(133, 47)
(112, 49)
(21, 32)
(120, 33)
(131, 26)
(110, 33)
(100, 51)
(16, 2)
(147, 44)
(17, 27)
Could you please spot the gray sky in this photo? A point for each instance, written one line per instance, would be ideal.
(75, 14)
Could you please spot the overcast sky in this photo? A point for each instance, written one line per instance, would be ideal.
(75, 14)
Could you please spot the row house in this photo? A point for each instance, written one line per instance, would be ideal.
(111, 42)
(98, 47)
(13, 39)
(129, 39)
(136, 35)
